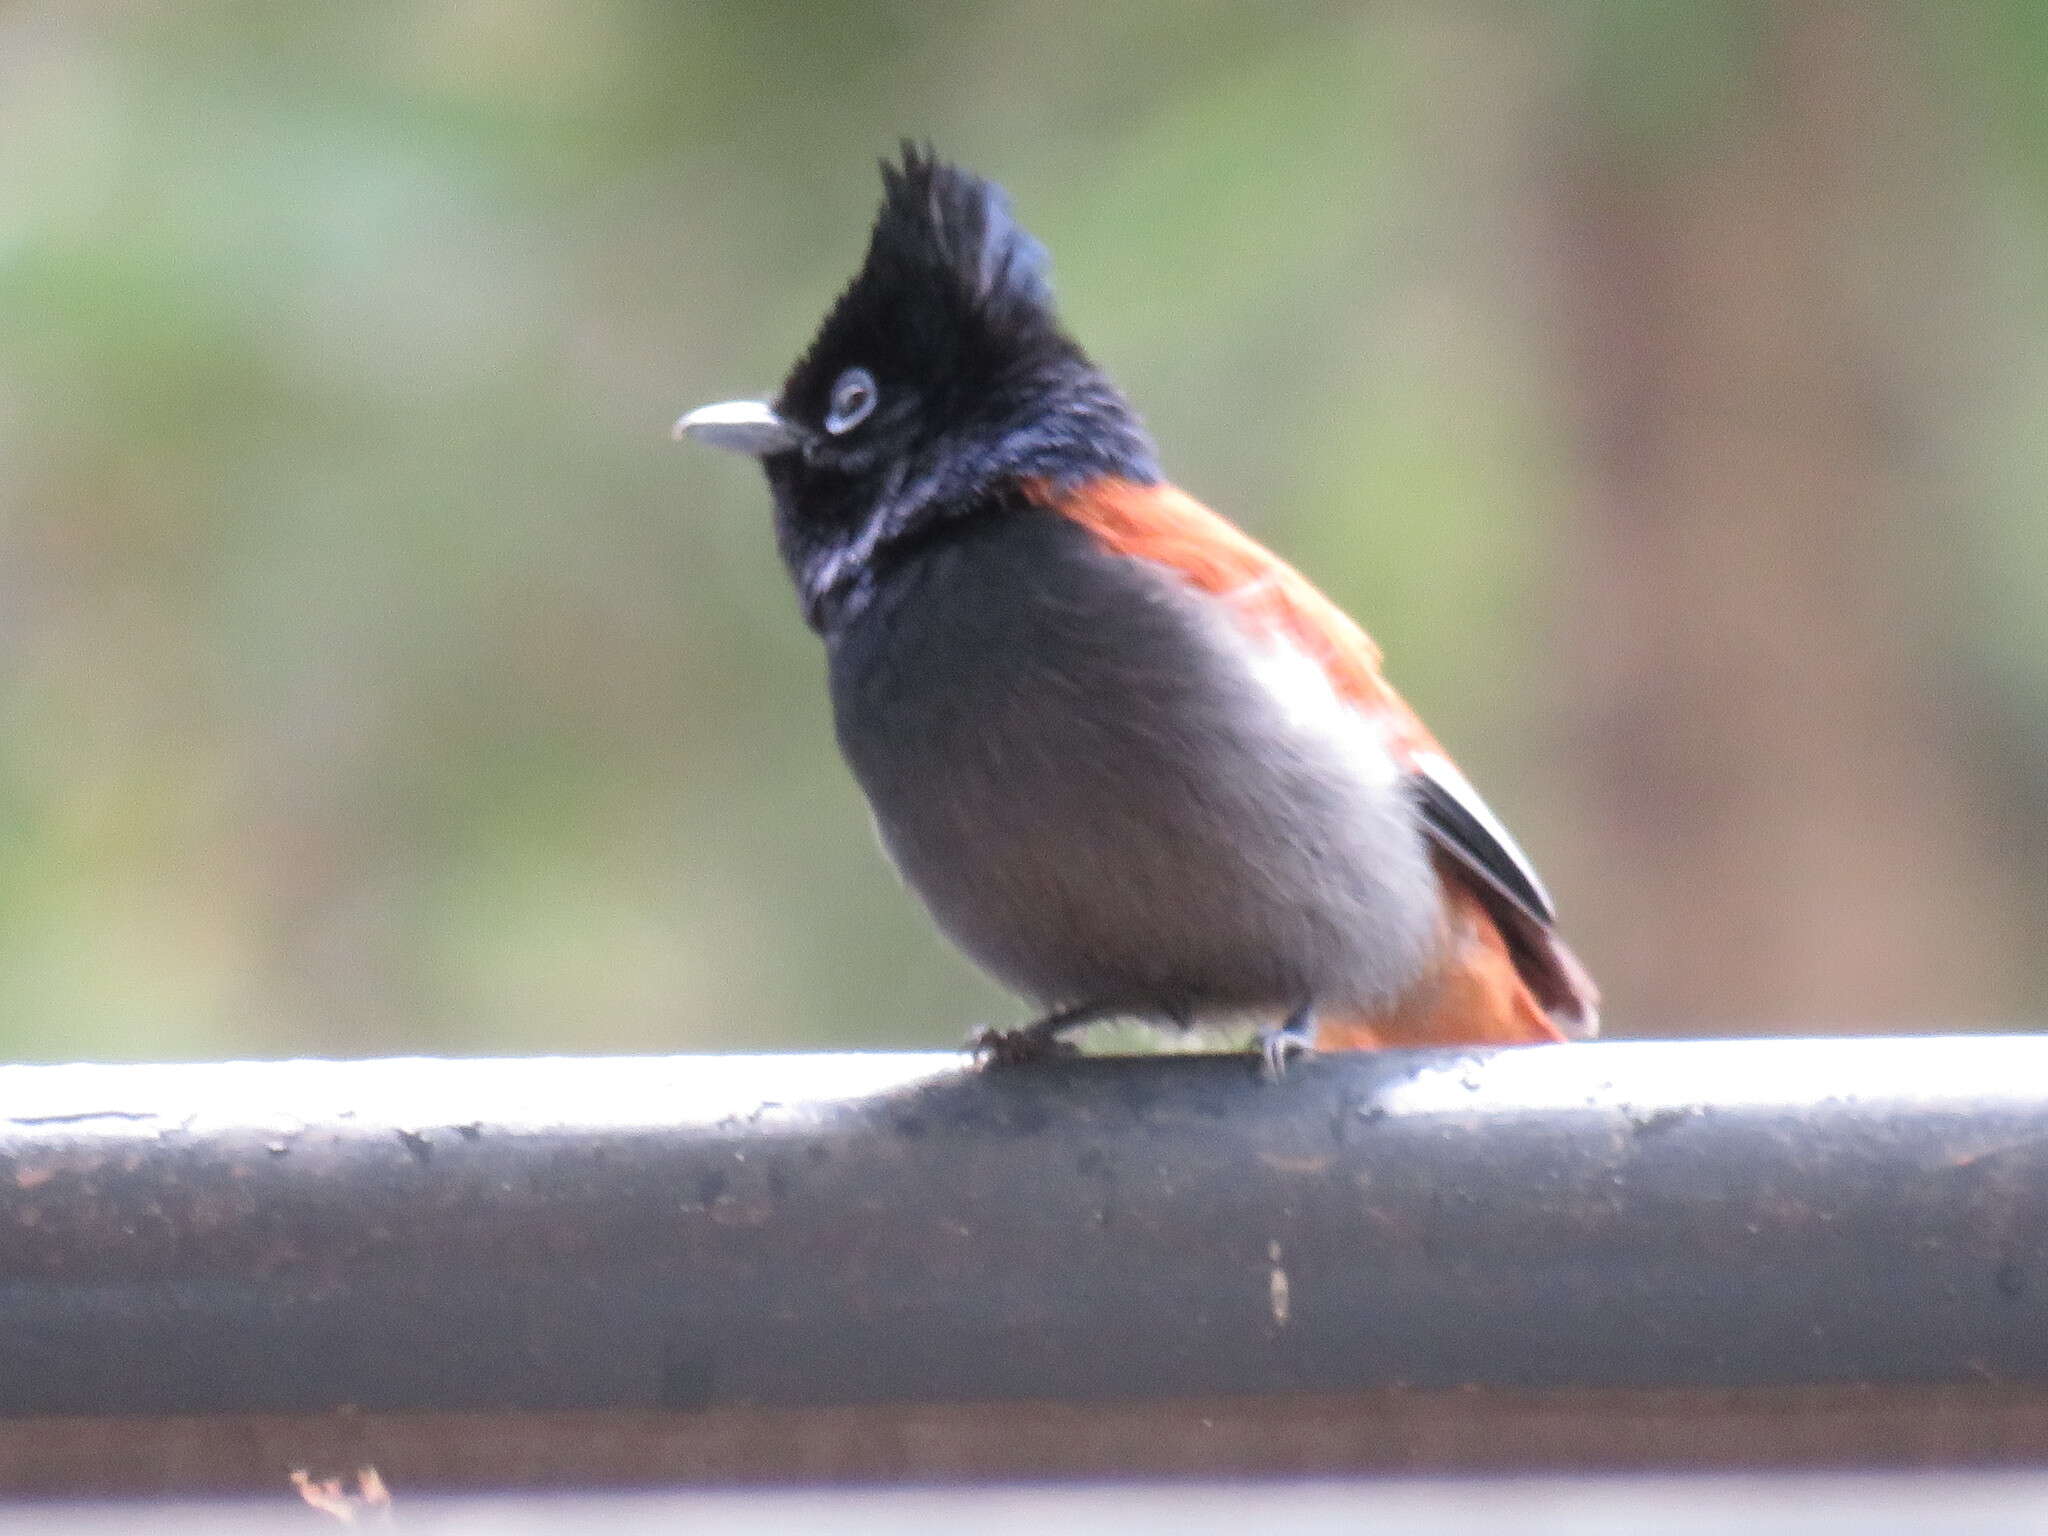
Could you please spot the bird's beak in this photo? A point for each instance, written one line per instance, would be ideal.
(744, 426)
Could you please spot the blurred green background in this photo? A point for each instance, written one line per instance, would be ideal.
(1664, 384)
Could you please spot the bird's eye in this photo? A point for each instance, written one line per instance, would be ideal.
(853, 397)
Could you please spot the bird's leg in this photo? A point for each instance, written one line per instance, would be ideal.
(1278, 1046)
(1037, 1041)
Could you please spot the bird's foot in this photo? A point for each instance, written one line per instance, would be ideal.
(1018, 1047)
(1278, 1046)
(1037, 1041)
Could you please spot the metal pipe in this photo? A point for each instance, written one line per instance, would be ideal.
(811, 1231)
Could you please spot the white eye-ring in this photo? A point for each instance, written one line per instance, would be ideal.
(853, 398)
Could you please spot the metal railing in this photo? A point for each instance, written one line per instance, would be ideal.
(1736, 1252)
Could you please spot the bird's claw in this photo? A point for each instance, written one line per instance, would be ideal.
(1019, 1047)
(1277, 1047)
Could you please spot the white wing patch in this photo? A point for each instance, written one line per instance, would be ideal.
(1310, 702)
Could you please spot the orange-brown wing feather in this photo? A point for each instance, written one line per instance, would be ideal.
(1476, 993)
(1169, 527)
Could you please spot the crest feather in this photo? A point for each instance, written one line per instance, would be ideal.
(938, 218)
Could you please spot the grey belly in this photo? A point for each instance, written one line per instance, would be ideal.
(1102, 805)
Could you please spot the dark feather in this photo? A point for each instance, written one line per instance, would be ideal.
(1462, 826)
(1459, 820)
(979, 388)
(937, 219)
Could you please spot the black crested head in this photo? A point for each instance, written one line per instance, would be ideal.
(939, 380)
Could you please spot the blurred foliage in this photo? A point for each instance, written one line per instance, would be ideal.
(378, 677)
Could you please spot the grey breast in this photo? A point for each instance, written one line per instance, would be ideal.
(1073, 762)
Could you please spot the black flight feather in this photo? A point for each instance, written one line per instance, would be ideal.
(1460, 823)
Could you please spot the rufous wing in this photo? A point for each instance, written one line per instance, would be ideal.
(1504, 975)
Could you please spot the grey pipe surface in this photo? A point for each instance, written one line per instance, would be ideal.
(805, 1231)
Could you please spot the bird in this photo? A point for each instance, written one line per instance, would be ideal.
(1134, 763)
